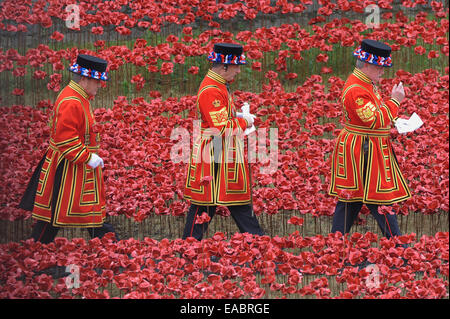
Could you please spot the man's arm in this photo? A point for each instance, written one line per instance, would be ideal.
(360, 104)
(213, 107)
(69, 122)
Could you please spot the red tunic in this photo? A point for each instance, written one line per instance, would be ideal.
(366, 117)
(81, 197)
(217, 116)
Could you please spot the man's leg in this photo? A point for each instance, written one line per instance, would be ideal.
(387, 223)
(245, 219)
(101, 231)
(44, 232)
(191, 229)
(344, 216)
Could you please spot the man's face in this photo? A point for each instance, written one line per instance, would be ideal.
(374, 72)
(91, 86)
(231, 72)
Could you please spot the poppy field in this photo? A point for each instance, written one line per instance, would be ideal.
(244, 266)
(299, 55)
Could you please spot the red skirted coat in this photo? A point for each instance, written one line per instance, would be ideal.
(80, 201)
(229, 183)
(367, 117)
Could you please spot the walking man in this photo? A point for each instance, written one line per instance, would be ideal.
(67, 188)
(217, 173)
(364, 167)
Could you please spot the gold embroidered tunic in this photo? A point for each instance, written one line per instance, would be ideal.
(226, 183)
(80, 197)
(376, 177)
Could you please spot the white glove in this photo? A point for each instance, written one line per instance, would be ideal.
(250, 118)
(241, 115)
(245, 108)
(95, 161)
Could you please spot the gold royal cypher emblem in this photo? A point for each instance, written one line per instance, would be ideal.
(219, 117)
(366, 113)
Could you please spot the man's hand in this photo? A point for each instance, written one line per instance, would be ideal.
(245, 107)
(250, 118)
(398, 93)
(241, 115)
(95, 161)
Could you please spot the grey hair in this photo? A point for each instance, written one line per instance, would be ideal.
(76, 78)
(360, 64)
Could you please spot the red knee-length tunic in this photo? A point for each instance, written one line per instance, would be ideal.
(367, 117)
(230, 184)
(81, 197)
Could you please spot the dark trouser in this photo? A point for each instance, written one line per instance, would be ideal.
(345, 214)
(242, 215)
(45, 232)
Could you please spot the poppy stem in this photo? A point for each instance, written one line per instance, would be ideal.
(345, 219)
